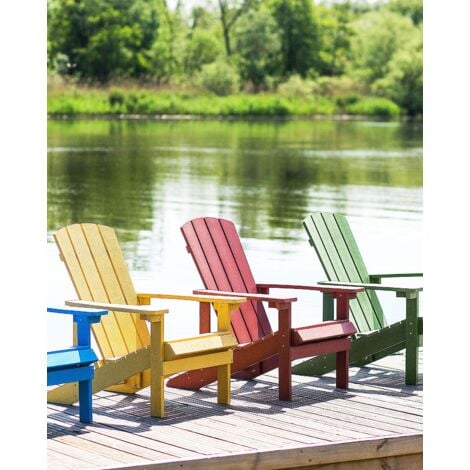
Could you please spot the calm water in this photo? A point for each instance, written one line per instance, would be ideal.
(147, 178)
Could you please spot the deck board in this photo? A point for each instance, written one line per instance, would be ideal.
(123, 435)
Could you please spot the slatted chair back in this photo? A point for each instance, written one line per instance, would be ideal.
(99, 273)
(220, 259)
(331, 236)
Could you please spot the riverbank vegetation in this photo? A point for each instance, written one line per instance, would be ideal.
(235, 57)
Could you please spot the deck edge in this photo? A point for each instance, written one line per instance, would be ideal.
(297, 457)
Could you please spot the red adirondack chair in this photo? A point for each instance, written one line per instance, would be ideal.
(220, 259)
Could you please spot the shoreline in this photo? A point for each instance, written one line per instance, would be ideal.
(231, 117)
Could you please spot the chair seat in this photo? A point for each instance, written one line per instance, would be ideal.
(75, 356)
(202, 344)
(321, 332)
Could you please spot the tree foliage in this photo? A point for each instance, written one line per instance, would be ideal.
(258, 47)
(300, 39)
(344, 47)
(102, 39)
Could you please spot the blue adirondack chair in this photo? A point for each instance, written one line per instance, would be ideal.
(75, 364)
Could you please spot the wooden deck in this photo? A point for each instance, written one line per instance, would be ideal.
(377, 422)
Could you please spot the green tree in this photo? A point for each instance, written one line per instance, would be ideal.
(379, 34)
(103, 39)
(258, 47)
(219, 77)
(298, 28)
(202, 48)
(411, 8)
(168, 49)
(336, 34)
(403, 82)
(230, 12)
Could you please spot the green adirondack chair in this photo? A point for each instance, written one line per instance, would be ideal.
(331, 236)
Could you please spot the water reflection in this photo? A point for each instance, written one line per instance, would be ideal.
(147, 178)
(266, 175)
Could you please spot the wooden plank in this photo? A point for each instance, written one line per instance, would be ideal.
(379, 321)
(240, 328)
(321, 347)
(174, 433)
(69, 257)
(322, 399)
(108, 424)
(322, 331)
(314, 428)
(110, 373)
(333, 265)
(312, 424)
(58, 461)
(88, 458)
(308, 410)
(197, 362)
(112, 286)
(205, 343)
(362, 350)
(102, 446)
(232, 255)
(97, 290)
(306, 456)
(376, 398)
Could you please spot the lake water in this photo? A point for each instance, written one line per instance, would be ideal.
(147, 178)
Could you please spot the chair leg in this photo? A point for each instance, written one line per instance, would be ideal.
(412, 341)
(285, 376)
(157, 396)
(84, 397)
(285, 353)
(223, 384)
(342, 369)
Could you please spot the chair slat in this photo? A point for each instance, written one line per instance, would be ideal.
(332, 264)
(340, 258)
(354, 266)
(122, 272)
(112, 286)
(212, 272)
(67, 252)
(379, 320)
(98, 292)
(232, 255)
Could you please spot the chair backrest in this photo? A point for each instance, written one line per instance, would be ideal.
(220, 259)
(331, 236)
(99, 273)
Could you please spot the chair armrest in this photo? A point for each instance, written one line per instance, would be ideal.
(336, 289)
(142, 309)
(400, 291)
(247, 296)
(375, 278)
(90, 315)
(232, 299)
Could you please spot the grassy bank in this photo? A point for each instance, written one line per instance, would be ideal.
(119, 101)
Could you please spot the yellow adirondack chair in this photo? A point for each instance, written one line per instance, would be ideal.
(133, 358)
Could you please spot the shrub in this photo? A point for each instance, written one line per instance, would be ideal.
(342, 85)
(373, 107)
(343, 101)
(220, 78)
(297, 87)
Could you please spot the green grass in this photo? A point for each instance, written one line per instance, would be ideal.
(117, 101)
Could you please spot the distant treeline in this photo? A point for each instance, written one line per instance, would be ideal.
(342, 51)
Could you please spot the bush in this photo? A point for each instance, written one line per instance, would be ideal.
(297, 87)
(346, 100)
(220, 78)
(342, 85)
(116, 98)
(373, 107)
